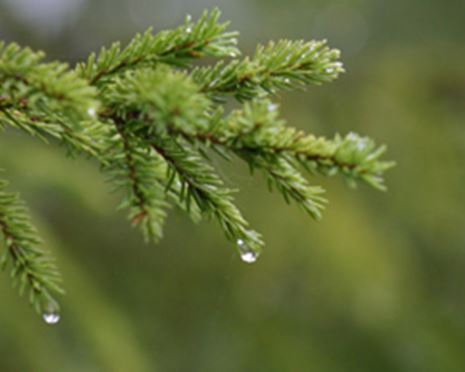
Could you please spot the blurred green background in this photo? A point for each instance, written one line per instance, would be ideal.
(378, 285)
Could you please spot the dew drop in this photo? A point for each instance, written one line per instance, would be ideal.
(188, 30)
(329, 70)
(287, 81)
(247, 254)
(51, 317)
(249, 257)
(188, 18)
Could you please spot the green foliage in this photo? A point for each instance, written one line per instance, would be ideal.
(152, 121)
(276, 66)
(32, 269)
(45, 99)
(177, 47)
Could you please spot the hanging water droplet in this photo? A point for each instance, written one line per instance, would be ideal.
(188, 30)
(247, 254)
(188, 18)
(51, 317)
(233, 55)
(329, 70)
(287, 81)
(249, 257)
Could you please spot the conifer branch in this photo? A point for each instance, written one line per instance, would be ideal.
(151, 120)
(277, 66)
(256, 134)
(205, 38)
(130, 167)
(27, 81)
(32, 269)
(45, 99)
(202, 186)
(156, 99)
(75, 140)
(160, 101)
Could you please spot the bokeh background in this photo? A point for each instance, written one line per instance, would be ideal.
(377, 285)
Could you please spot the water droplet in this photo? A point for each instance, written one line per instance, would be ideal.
(188, 18)
(329, 70)
(247, 254)
(233, 55)
(249, 257)
(51, 317)
(91, 112)
(188, 30)
(272, 107)
(287, 81)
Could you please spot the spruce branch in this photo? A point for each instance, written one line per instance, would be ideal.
(257, 134)
(45, 99)
(133, 165)
(75, 140)
(205, 38)
(32, 269)
(152, 120)
(130, 167)
(283, 65)
(202, 186)
(160, 97)
(161, 101)
(28, 81)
